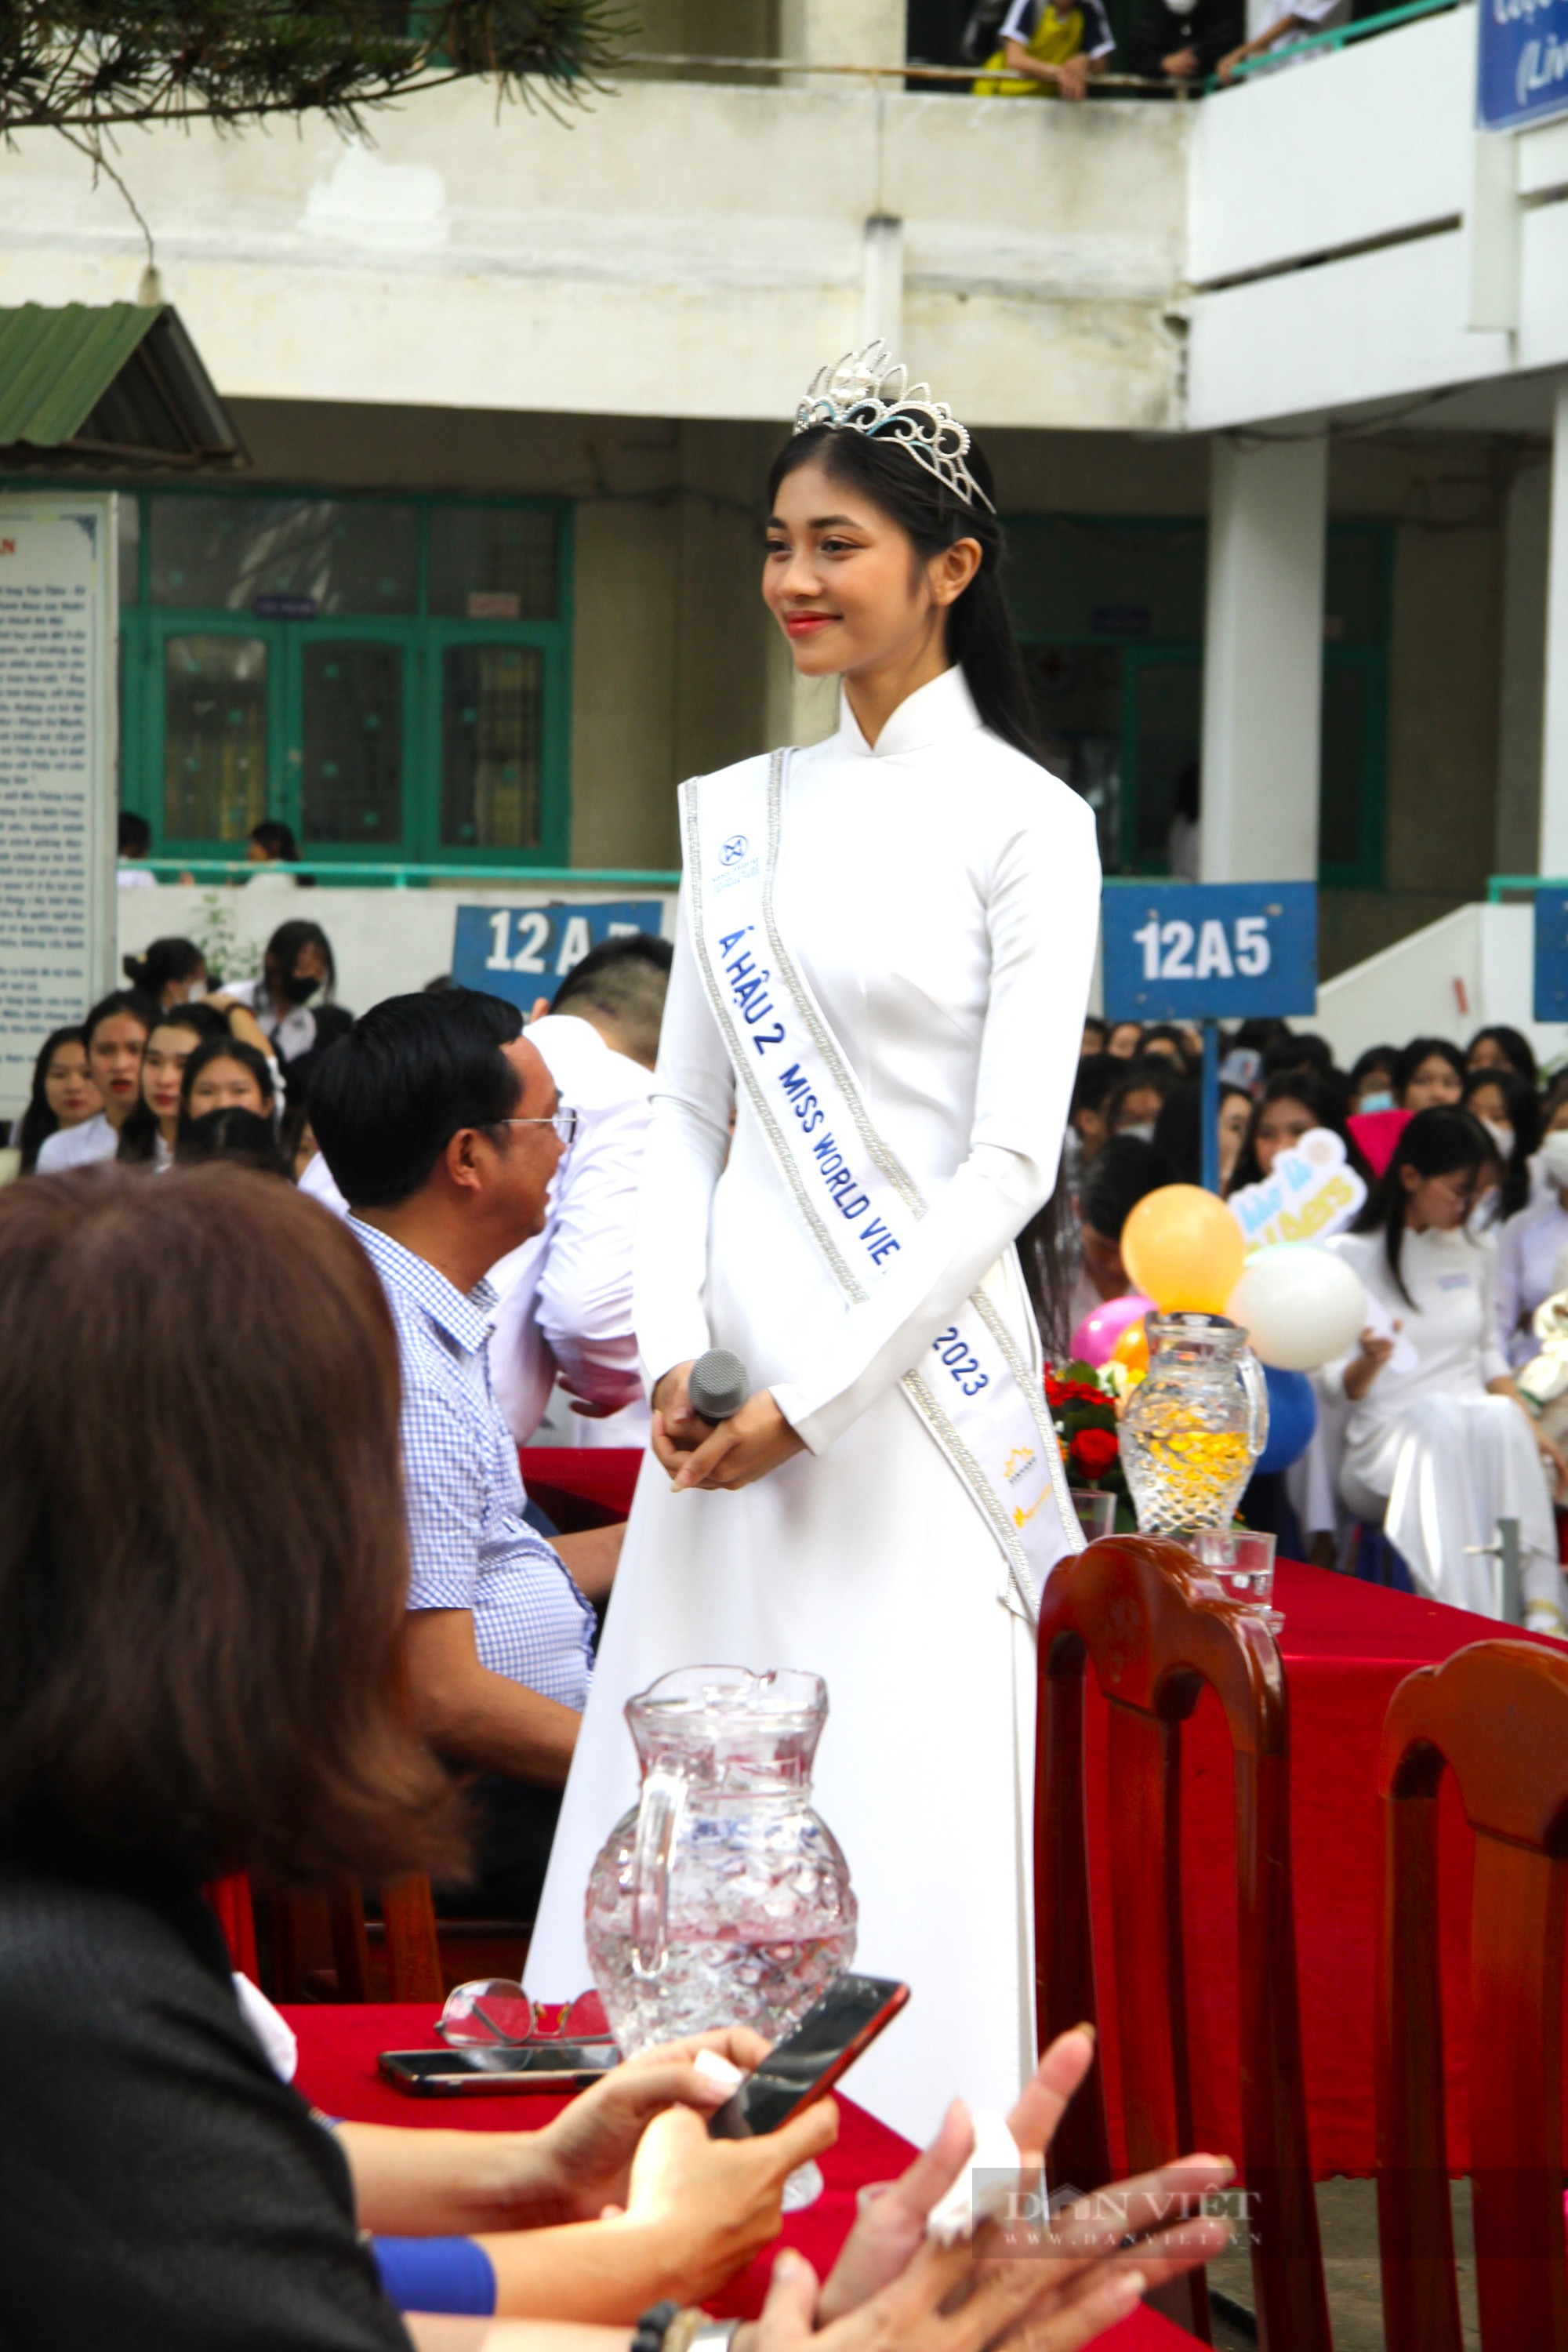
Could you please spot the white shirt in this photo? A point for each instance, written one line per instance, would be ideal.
(1529, 1246)
(566, 1296)
(292, 1035)
(78, 1147)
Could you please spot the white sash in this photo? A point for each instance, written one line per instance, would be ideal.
(978, 1394)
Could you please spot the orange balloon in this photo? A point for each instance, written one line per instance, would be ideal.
(1131, 1349)
(1182, 1246)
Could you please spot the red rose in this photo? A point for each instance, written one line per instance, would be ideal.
(1094, 1451)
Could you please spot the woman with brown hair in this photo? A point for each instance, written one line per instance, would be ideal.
(199, 1673)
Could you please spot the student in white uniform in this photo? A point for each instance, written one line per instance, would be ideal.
(1439, 1446)
(63, 1095)
(885, 949)
(297, 966)
(566, 1297)
(116, 1030)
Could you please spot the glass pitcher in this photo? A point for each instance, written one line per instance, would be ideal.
(722, 1898)
(1194, 1425)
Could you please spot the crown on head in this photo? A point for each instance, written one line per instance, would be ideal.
(869, 391)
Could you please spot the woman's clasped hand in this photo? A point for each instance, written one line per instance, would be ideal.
(722, 1456)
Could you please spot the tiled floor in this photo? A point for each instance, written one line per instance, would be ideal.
(1347, 2217)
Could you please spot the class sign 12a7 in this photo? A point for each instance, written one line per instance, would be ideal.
(1210, 950)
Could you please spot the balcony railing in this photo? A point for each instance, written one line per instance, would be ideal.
(957, 77)
(358, 873)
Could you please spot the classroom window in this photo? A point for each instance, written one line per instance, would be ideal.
(391, 677)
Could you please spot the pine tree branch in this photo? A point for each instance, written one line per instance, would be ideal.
(98, 64)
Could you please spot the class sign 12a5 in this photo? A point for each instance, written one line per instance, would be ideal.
(1210, 950)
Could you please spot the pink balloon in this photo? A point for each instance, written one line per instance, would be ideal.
(1099, 1332)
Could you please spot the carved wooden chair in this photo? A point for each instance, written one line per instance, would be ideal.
(1158, 1629)
(1496, 1715)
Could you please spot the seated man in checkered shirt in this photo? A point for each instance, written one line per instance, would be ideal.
(442, 1127)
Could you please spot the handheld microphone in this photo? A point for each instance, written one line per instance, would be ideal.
(719, 1385)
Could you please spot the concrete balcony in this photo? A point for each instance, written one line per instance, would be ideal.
(681, 248)
(1353, 239)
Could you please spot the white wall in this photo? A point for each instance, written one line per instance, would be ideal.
(384, 942)
(1456, 976)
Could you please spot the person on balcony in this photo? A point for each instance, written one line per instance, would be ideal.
(1183, 40)
(1302, 17)
(1047, 53)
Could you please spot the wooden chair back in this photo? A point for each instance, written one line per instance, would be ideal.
(411, 1945)
(1496, 1715)
(1158, 1629)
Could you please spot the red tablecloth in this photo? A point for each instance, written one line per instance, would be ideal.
(1346, 1647)
(581, 1486)
(337, 2052)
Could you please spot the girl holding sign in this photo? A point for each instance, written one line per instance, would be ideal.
(884, 954)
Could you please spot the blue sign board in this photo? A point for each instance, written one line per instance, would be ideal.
(525, 952)
(1551, 955)
(1210, 950)
(1522, 62)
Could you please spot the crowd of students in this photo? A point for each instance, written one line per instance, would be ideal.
(174, 1065)
(1423, 1434)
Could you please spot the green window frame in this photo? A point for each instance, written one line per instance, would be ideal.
(1355, 692)
(415, 649)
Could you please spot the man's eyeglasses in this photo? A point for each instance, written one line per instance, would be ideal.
(564, 1122)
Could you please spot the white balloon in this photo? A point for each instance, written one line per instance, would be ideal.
(1301, 1306)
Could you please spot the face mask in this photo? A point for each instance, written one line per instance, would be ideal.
(299, 988)
(1144, 1130)
(1502, 1137)
(197, 991)
(1554, 1155)
(1383, 1100)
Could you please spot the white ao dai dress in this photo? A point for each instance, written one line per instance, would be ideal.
(941, 893)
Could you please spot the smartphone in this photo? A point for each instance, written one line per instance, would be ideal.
(535, 2066)
(806, 2063)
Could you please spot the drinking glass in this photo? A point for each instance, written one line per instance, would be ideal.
(1095, 1512)
(1241, 1561)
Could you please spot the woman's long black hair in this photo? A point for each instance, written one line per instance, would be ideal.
(979, 627)
(1438, 1142)
(1523, 1105)
(38, 1122)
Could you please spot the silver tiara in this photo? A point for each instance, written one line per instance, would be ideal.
(869, 391)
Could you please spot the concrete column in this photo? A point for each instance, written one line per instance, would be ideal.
(1263, 660)
(1526, 530)
(1554, 724)
(882, 284)
(843, 32)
